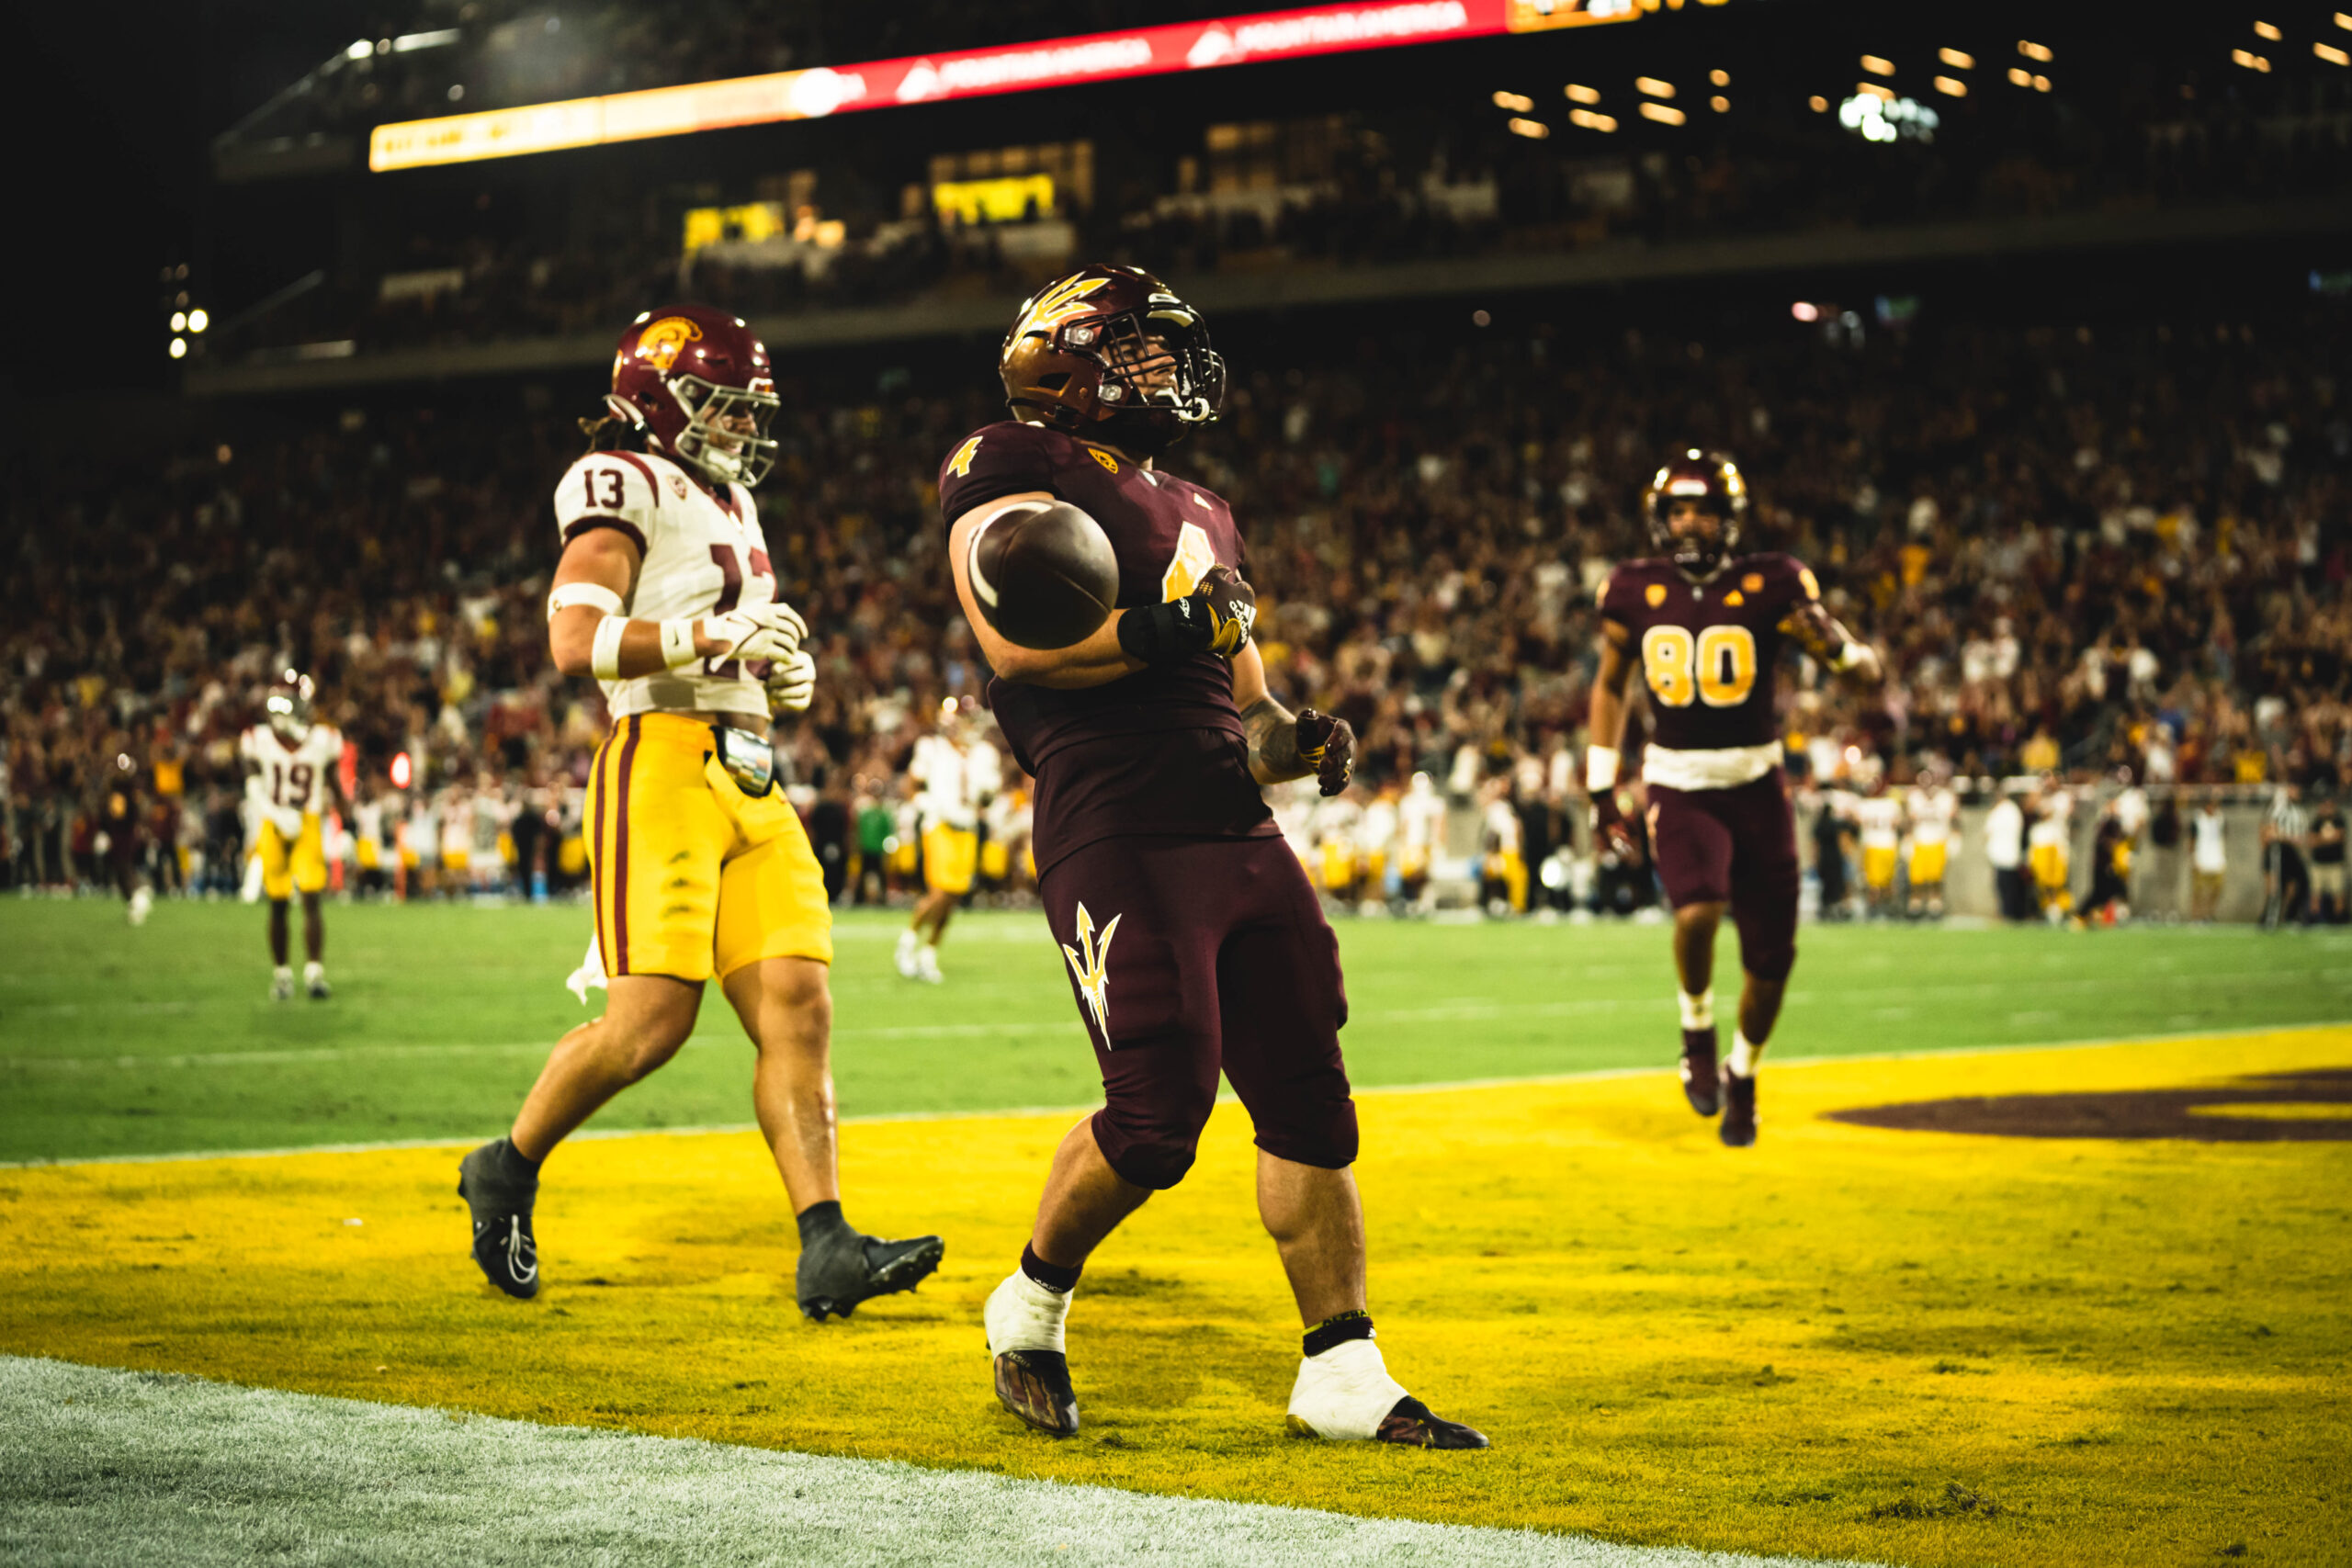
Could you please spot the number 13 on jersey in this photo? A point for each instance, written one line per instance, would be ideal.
(1718, 667)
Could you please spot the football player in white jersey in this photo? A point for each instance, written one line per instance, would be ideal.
(700, 867)
(292, 768)
(1934, 812)
(1880, 817)
(956, 773)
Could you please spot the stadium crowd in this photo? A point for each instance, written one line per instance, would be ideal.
(2082, 550)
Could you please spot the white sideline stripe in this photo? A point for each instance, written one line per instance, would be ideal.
(106, 1465)
(1451, 1010)
(1589, 1074)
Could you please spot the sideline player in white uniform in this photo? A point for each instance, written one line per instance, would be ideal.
(1933, 811)
(292, 766)
(700, 867)
(955, 773)
(1880, 817)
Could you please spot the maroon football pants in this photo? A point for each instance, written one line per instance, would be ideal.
(1192, 956)
(1736, 846)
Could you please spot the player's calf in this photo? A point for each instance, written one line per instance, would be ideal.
(1344, 1394)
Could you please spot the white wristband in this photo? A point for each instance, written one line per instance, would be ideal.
(595, 596)
(1600, 768)
(678, 642)
(604, 653)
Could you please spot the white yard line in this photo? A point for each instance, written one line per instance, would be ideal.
(107, 1466)
(1593, 1075)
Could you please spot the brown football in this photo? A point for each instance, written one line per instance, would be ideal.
(1044, 575)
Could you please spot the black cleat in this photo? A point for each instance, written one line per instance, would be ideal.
(1034, 1385)
(1411, 1424)
(835, 1276)
(1738, 1128)
(501, 1203)
(1699, 1073)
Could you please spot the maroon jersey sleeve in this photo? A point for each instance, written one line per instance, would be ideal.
(997, 460)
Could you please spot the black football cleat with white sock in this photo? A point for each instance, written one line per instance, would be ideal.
(1034, 1385)
(1700, 1077)
(500, 1193)
(1737, 1129)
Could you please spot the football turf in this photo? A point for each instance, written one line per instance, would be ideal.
(160, 1039)
(1900, 1346)
(1905, 1346)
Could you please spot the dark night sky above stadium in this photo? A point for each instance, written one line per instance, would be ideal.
(138, 95)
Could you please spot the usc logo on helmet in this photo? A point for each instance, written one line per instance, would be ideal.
(666, 339)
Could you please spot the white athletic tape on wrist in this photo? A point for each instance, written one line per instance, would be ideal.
(678, 643)
(604, 653)
(595, 596)
(1600, 768)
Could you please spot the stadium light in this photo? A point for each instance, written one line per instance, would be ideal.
(1720, 104)
(1806, 310)
(1878, 65)
(1580, 94)
(1518, 103)
(439, 38)
(360, 49)
(197, 320)
(2250, 59)
(401, 770)
(2041, 84)
(2331, 54)
(179, 348)
(1951, 86)
(2020, 77)
(1720, 78)
(2344, 20)
(179, 321)
(2033, 50)
(1958, 58)
(2267, 30)
(1592, 121)
(1817, 104)
(1875, 90)
(1665, 114)
(1534, 129)
(1654, 87)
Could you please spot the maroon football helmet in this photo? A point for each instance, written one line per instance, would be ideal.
(698, 386)
(1113, 353)
(1712, 480)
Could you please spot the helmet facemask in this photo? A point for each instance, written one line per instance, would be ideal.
(726, 429)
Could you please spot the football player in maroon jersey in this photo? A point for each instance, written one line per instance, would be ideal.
(1194, 943)
(1705, 626)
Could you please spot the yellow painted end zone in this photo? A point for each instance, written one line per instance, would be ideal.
(2131, 1348)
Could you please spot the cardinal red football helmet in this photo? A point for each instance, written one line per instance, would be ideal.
(696, 383)
(1712, 480)
(1113, 353)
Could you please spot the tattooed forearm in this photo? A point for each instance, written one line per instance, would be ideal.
(1273, 742)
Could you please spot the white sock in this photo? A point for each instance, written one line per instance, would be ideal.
(1697, 1012)
(1743, 1056)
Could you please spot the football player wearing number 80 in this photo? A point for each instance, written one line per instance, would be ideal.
(700, 868)
(1705, 626)
(1194, 943)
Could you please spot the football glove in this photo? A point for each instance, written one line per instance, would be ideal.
(792, 683)
(1327, 744)
(757, 631)
(1215, 617)
(1612, 835)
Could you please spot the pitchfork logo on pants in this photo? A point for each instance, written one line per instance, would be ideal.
(1087, 961)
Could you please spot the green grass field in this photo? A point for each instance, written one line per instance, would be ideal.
(159, 1040)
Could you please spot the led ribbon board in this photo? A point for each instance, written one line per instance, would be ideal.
(1011, 68)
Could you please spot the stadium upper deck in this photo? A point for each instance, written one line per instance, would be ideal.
(1746, 137)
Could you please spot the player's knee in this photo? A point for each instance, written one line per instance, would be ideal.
(1152, 1141)
(1769, 958)
(1704, 915)
(1320, 1134)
